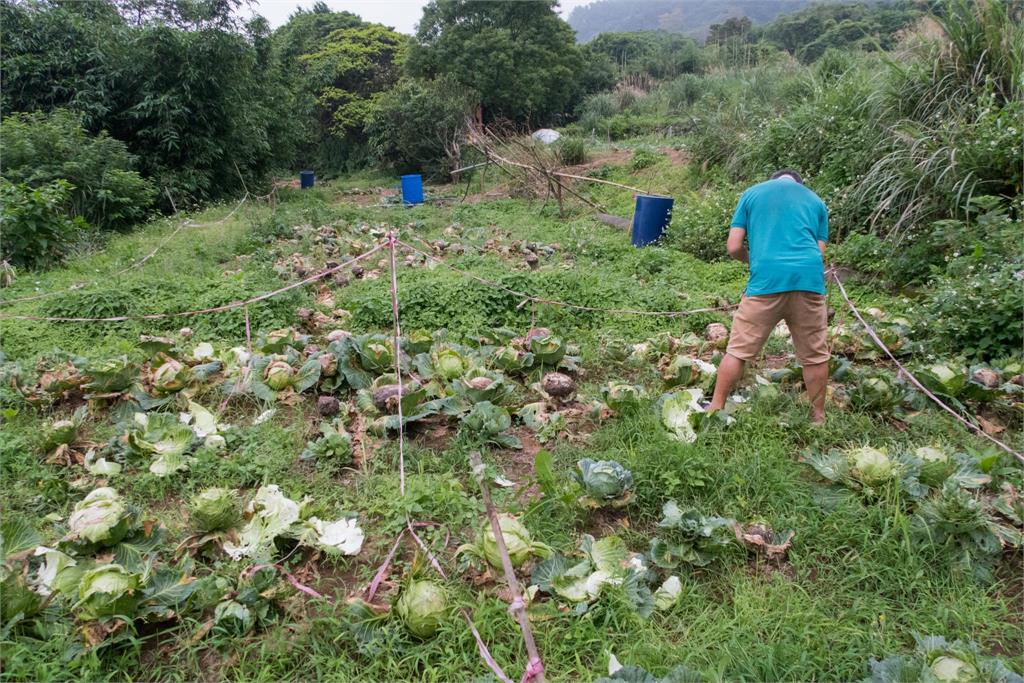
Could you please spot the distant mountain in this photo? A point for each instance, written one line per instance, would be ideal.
(689, 17)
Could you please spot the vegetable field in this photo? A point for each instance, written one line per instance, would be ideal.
(281, 487)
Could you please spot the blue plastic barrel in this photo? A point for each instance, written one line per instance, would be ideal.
(653, 214)
(412, 189)
(306, 179)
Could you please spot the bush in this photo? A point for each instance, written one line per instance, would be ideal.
(34, 223)
(39, 149)
(417, 125)
(974, 309)
(700, 223)
(572, 151)
(644, 157)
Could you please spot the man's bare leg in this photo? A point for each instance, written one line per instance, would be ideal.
(730, 370)
(815, 380)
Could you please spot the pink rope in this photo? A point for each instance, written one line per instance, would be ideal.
(383, 570)
(554, 302)
(419, 541)
(485, 654)
(398, 364)
(533, 669)
(215, 309)
(875, 338)
(249, 571)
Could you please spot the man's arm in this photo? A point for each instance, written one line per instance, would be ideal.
(735, 246)
(821, 245)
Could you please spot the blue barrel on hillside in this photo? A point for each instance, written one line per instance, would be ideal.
(412, 189)
(306, 179)
(653, 214)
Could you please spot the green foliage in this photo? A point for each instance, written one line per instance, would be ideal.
(659, 54)
(644, 157)
(700, 224)
(190, 93)
(417, 125)
(35, 224)
(521, 57)
(572, 151)
(106, 191)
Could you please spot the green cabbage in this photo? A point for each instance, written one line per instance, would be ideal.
(953, 670)
(106, 591)
(605, 482)
(936, 465)
(215, 509)
(871, 466)
(517, 541)
(423, 607)
(102, 517)
(278, 375)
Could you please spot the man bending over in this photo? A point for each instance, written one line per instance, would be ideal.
(786, 227)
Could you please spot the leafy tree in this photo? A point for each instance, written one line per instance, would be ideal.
(306, 30)
(351, 68)
(191, 94)
(658, 53)
(520, 56)
(418, 125)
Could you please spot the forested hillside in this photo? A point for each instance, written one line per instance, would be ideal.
(692, 18)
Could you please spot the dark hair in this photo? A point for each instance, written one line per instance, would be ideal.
(790, 172)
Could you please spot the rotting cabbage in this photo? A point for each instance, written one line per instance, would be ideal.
(278, 375)
(423, 607)
(682, 370)
(341, 537)
(162, 437)
(171, 376)
(271, 514)
(678, 411)
(106, 591)
(604, 482)
(102, 517)
(517, 541)
(215, 509)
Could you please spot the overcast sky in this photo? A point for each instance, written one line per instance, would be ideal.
(400, 14)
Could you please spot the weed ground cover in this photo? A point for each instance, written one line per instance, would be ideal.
(854, 585)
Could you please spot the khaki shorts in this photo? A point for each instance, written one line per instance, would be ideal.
(805, 314)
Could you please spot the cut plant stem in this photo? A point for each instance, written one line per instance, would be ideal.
(518, 607)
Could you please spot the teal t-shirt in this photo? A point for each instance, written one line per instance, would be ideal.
(784, 221)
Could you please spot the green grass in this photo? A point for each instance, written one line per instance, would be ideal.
(854, 588)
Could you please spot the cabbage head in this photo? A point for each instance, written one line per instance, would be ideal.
(517, 541)
(106, 591)
(487, 418)
(949, 669)
(102, 517)
(448, 363)
(936, 465)
(215, 509)
(605, 482)
(944, 378)
(547, 349)
(171, 376)
(61, 433)
(622, 397)
(423, 607)
(871, 466)
(278, 375)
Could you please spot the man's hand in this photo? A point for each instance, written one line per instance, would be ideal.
(735, 246)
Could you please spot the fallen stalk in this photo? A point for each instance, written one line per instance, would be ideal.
(535, 667)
